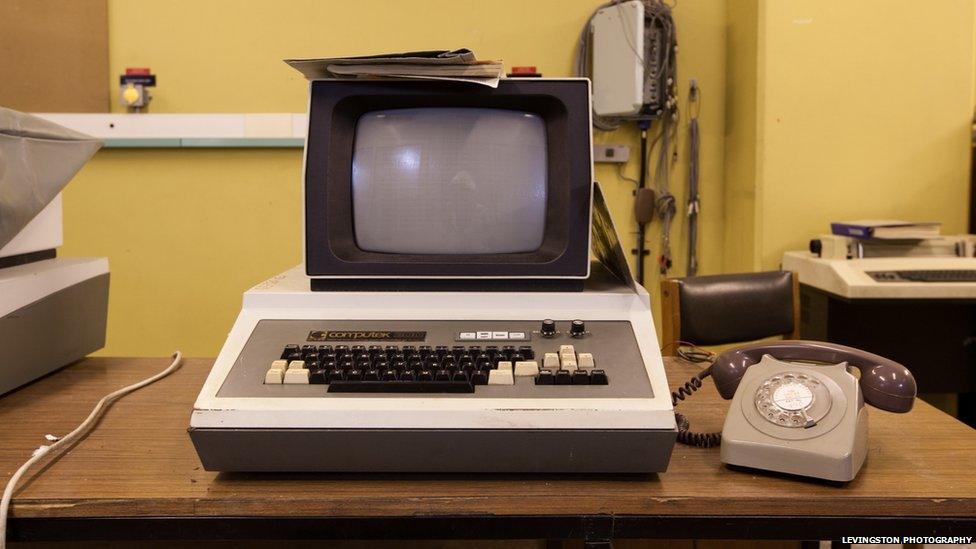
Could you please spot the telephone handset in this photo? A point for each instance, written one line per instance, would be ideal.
(791, 416)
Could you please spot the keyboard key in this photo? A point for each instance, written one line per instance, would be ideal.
(279, 365)
(505, 365)
(527, 352)
(563, 377)
(442, 375)
(354, 375)
(296, 364)
(551, 360)
(274, 376)
(318, 376)
(568, 363)
(567, 350)
(526, 368)
(501, 377)
(289, 349)
(545, 377)
(479, 377)
(585, 360)
(389, 375)
(460, 375)
(581, 377)
(599, 377)
(371, 375)
(408, 375)
(296, 376)
(336, 375)
(425, 375)
(401, 387)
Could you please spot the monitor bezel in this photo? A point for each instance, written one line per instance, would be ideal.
(335, 107)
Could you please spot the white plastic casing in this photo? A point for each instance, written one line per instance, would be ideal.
(618, 70)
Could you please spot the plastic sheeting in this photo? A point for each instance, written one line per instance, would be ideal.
(37, 159)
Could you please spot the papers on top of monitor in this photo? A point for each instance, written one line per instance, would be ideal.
(453, 65)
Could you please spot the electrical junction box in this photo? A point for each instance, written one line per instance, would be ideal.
(618, 70)
(628, 52)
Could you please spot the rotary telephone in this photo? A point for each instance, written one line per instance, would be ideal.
(791, 416)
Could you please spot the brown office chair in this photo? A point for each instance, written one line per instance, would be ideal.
(733, 308)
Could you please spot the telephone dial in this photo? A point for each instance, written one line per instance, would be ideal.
(793, 416)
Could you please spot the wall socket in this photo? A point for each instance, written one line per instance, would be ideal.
(617, 154)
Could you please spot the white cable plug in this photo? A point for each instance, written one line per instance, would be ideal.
(81, 431)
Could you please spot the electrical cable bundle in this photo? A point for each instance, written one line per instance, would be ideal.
(694, 149)
(658, 18)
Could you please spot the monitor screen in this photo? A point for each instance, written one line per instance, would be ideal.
(449, 181)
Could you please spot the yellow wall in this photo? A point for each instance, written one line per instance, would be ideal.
(863, 110)
(187, 231)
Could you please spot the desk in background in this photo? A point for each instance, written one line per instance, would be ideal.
(137, 477)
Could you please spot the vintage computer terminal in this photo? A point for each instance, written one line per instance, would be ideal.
(447, 317)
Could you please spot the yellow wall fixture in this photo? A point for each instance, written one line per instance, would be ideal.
(844, 110)
(187, 231)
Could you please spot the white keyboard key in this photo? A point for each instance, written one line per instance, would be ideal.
(274, 376)
(551, 361)
(279, 365)
(505, 365)
(296, 376)
(526, 368)
(296, 365)
(501, 377)
(586, 360)
(569, 363)
(567, 350)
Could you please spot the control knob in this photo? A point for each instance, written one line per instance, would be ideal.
(548, 328)
(577, 328)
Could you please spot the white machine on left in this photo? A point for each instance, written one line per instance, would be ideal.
(53, 310)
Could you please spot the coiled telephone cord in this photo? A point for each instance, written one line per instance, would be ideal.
(685, 434)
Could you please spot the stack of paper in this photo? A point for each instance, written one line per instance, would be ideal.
(887, 229)
(457, 65)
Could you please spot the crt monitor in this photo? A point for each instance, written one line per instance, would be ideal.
(407, 179)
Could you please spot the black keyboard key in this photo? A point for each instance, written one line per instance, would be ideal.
(581, 377)
(389, 375)
(309, 348)
(458, 350)
(289, 349)
(318, 376)
(441, 350)
(336, 375)
(401, 387)
(371, 375)
(408, 375)
(442, 375)
(563, 377)
(517, 357)
(425, 375)
(354, 375)
(527, 352)
(448, 363)
(483, 360)
(599, 377)
(460, 375)
(479, 377)
(296, 355)
(545, 377)
(326, 349)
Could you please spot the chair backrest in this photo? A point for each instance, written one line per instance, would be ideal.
(732, 308)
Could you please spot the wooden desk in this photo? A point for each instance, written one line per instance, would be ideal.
(137, 476)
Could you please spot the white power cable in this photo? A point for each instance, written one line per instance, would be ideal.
(81, 431)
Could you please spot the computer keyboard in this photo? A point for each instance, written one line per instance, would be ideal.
(926, 275)
(428, 369)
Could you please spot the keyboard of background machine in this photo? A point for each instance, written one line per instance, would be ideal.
(410, 368)
(927, 275)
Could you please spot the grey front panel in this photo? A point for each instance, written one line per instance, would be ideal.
(53, 332)
(612, 343)
(435, 451)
